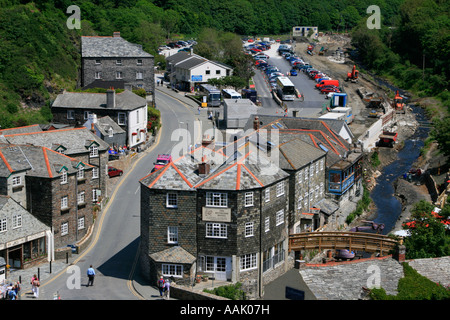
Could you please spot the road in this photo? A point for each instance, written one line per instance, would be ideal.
(114, 246)
(313, 101)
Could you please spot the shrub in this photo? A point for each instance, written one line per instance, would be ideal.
(232, 291)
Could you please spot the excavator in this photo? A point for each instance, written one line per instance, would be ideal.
(397, 104)
(353, 76)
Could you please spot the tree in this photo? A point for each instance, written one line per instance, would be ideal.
(441, 133)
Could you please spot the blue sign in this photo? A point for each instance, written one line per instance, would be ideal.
(294, 294)
(197, 78)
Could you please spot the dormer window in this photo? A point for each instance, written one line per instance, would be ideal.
(80, 172)
(93, 151)
(64, 177)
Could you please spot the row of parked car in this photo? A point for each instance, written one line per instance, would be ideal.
(324, 83)
(177, 44)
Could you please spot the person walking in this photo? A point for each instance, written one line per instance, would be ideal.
(91, 276)
(161, 285)
(167, 290)
(35, 284)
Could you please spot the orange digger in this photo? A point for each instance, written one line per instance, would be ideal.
(398, 105)
(353, 76)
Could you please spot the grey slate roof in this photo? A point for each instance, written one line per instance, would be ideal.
(173, 255)
(105, 123)
(30, 224)
(74, 140)
(37, 161)
(125, 100)
(110, 47)
(191, 63)
(25, 129)
(295, 154)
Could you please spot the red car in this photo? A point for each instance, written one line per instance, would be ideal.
(114, 172)
(329, 89)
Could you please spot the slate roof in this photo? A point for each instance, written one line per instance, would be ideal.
(25, 129)
(245, 169)
(37, 161)
(74, 140)
(105, 123)
(295, 154)
(191, 63)
(173, 255)
(125, 100)
(110, 47)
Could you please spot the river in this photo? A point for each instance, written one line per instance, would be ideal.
(388, 206)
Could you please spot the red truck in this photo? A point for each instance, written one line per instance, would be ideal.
(387, 139)
(161, 161)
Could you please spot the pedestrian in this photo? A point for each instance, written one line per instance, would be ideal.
(17, 289)
(161, 286)
(167, 290)
(35, 284)
(91, 276)
(12, 293)
(199, 110)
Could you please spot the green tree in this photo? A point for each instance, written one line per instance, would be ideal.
(441, 133)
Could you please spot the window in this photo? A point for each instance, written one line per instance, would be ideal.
(98, 62)
(311, 170)
(266, 224)
(171, 200)
(3, 225)
(139, 62)
(80, 172)
(94, 173)
(64, 202)
(81, 197)
(306, 174)
(121, 118)
(95, 194)
(215, 199)
(81, 223)
(93, 151)
(279, 219)
(119, 61)
(119, 75)
(98, 75)
(280, 188)
(306, 200)
(139, 75)
(216, 230)
(70, 114)
(300, 202)
(64, 228)
(86, 114)
(137, 116)
(16, 221)
(321, 165)
(16, 181)
(249, 229)
(317, 167)
(267, 196)
(217, 71)
(248, 261)
(317, 192)
(300, 177)
(208, 72)
(64, 177)
(172, 270)
(321, 189)
(249, 199)
(172, 234)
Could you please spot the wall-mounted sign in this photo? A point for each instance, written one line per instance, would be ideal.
(197, 78)
(216, 214)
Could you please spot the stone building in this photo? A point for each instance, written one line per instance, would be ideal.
(216, 215)
(23, 237)
(126, 109)
(78, 143)
(115, 59)
(56, 189)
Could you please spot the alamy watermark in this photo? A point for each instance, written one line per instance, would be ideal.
(374, 21)
(74, 21)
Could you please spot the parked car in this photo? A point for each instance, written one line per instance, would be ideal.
(293, 72)
(329, 89)
(114, 172)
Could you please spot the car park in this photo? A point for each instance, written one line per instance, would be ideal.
(114, 172)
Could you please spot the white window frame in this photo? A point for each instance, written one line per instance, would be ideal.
(81, 197)
(64, 202)
(267, 194)
(119, 62)
(172, 270)
(249, 199)
(95, 195)
(86, 114)
(119, 75)
(64, 228)
(139, 75)
(217, 199)
(172, 234)
(170, 197)
(16, 220)
(267, 224)
(249, 229)
(16, 181)
(64, 177)
(3, 225)
(70, 114)
(216, 230)
(280, 188)
(321, 164)
(123, 121)
(248, 262)
(300, 202)
(80, 172)
(139, 62)
(80, 223)
(279, 218)
(93, 151)
(98, 75)
(95, 171)
(98, 61)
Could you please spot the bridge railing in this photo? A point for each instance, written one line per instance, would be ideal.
(342, 240)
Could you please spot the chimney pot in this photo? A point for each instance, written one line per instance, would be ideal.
(110, 98)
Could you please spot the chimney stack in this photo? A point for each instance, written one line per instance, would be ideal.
(203, 167)
(110, 98)
(116, 34)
